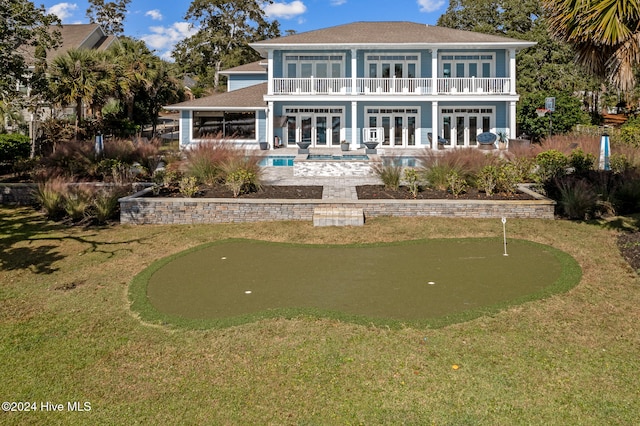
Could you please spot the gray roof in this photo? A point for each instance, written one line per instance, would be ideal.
(389, 33)
(257, 67)
(80, 36)
(251, 97)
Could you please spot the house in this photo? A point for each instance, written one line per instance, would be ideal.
(79, 36)
(397, 83)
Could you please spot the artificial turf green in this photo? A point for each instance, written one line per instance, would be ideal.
(425, 282)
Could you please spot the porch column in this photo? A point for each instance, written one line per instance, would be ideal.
(512, 120)
(512, 70)
(434, 125)
(354, 126)
(270, 122)
(434, 71)
(270, 72)
(354, 71)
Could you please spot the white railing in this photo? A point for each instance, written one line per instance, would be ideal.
(297, 86)
(416, 86)
(474, 85)
(373, 86)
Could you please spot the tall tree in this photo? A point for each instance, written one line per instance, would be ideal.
(110, 15)
(225, 29)
(604, 33)
(503, 17)
(135, 70)
(75, 78)
(23, 26)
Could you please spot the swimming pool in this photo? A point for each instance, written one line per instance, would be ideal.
(278, 161)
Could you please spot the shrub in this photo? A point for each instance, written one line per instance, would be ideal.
(76, 201)
(581, 162)
(239, 181)
(456, 183)
(630, 133)
(14, 147)
(119, 149)
(49, 195)
(242, 172)
(204, 161)
(626, 196)
(389, 173)
(72, 159)
(509, 176)
(577, 198)
(105, 205)
(619, 163)
(550, 164)
(188, 186)
(487, 179)
(413, 182)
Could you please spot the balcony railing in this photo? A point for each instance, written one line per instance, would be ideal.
(474, 85)
(382, 86)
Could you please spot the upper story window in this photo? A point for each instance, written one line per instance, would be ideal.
(388, 66)
(319, 66)
(460, 66)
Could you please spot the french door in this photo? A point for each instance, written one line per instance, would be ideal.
(322, 130)
(399, 125)
(460, 127)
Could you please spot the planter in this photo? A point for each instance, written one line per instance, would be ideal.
(371, 147)
(264, 146)
(344, 146)
(303, 147)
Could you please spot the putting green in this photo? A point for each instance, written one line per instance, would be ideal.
(426, 282)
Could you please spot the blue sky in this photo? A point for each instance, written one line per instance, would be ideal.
(161, 22)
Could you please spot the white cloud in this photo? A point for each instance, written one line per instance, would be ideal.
(163, 39)
(63, 10)
(154, 14)
(430, 5)
(338, 2)
(285, 10)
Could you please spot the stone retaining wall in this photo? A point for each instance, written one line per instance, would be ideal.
(136, 209)
(17, 193)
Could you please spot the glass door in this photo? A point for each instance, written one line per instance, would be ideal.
(305, 129)
(321, 131)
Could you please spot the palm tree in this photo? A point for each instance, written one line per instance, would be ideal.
(74, 79)
(135, 70)
(604, 33)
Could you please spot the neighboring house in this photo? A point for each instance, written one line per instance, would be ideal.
(395, 82)
(79, 36)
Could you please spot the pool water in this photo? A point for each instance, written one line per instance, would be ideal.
(278, 161)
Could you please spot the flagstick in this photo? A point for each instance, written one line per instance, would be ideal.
(504, 233)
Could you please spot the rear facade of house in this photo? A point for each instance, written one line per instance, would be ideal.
(397, 83)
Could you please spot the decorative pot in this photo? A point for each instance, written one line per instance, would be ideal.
(371, 147)
(303, 147)
(344, 146)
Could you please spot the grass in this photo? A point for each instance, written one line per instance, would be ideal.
(385, 284)
(67, 334)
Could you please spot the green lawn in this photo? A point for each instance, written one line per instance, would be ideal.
(67, 334)
(416, 283)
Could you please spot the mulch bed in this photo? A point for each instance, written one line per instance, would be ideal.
(379, 192)
(629, 245)
(291, 192)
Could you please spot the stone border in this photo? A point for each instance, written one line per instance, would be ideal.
(136, 209)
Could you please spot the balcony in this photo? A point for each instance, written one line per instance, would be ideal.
(391, 86)
(462, 86)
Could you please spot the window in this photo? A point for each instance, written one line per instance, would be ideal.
(459, 66)
(319, 66)
(388, 66)
(236, 125)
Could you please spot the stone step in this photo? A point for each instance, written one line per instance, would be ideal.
(338, 216)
